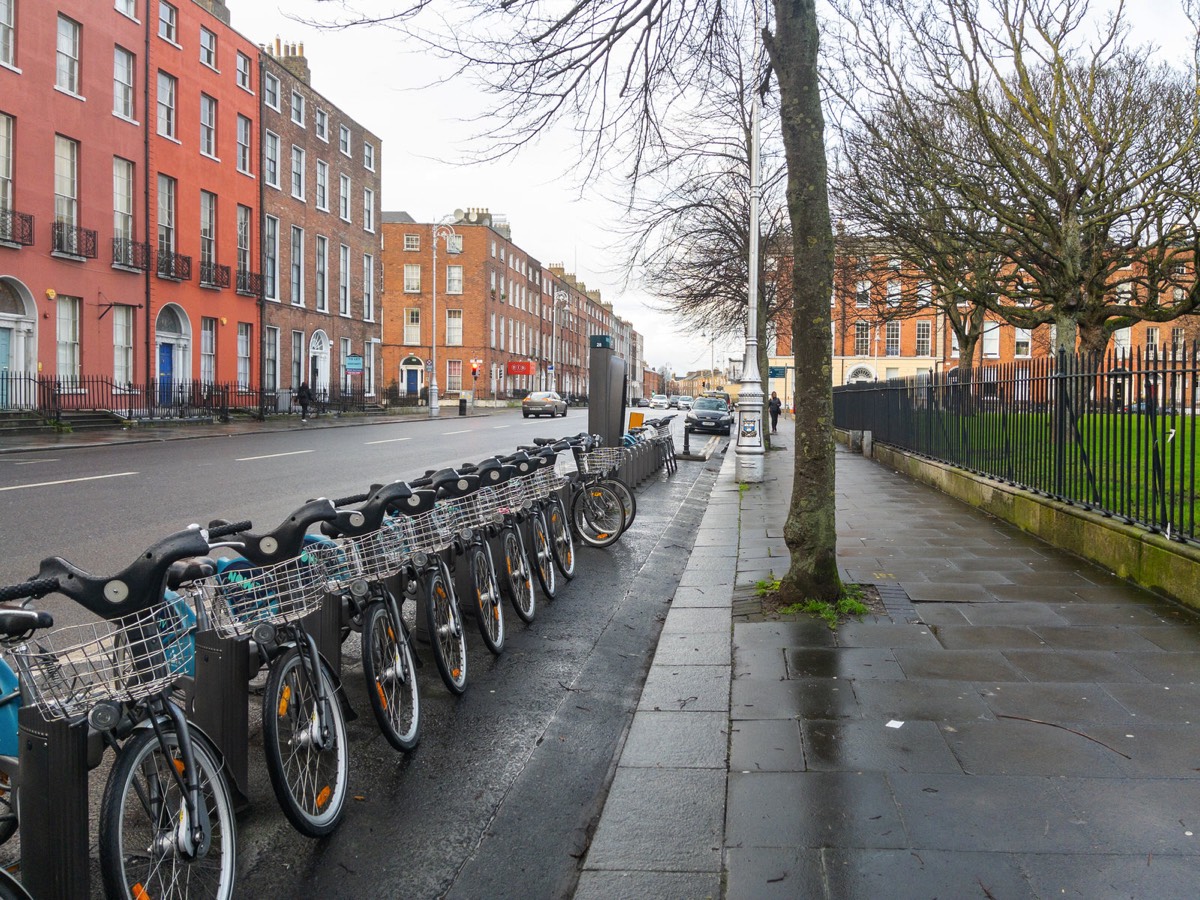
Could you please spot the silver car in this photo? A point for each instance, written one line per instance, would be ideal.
(543, 403)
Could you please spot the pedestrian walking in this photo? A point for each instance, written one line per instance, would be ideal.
(304, 398)
(774, 405)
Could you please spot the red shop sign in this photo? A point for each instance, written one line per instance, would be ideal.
(521, 367)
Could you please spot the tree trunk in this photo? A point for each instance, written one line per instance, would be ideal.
(810, 530)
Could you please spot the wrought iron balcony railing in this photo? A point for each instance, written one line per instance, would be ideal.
(249, 283)
(71, 240)
(129, 254)
(16, 227)
(214, 275)
(174, 266)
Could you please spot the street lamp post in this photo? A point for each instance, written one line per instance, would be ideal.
(560, 302)
(750, 448)
(445, 232)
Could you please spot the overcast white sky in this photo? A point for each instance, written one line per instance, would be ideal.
(366, 73)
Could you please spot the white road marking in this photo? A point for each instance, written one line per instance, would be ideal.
(388, 441)
(456, 432)
(273, 455)
(498, 427)
(33, 462)
(21, 487)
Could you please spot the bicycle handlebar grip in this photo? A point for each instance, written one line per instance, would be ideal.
(225, 529)
(349, 501)
(37, 587)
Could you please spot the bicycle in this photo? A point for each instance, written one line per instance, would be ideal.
(166, 817)
(548, 484)
(597, 512)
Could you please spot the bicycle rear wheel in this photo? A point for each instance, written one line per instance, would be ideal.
(628, 500)
(391, 676)
(562, 542)
(309, 770)
(543, 555)
(489, 612)
(143, 821)
(444, 621)
(597, 514)
(518, 582)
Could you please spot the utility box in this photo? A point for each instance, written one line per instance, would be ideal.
(606, 393)
(601, 341)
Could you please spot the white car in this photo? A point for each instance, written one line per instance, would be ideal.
(685, 402)
(659, 401)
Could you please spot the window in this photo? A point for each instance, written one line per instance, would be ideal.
(244, 214)
(893, 292)
(368, 288)
(298, 108)
(893, 339)
(122, 343)
(454, 279)
(344, 280)
(454, 374)
(412, 325)
(208, 236)
(954, 344)
(344, 139)
(68, 336)
(924, 293)
(369, 156)
(271, 359)
(208, 125)
(368, 210)
(243, 72)
(168, 20)
(124, 66)
(412, 278)
(124, 7)
(454, 243)
(167, 87)
(1177, 339)
(454, 327)
(208, 349)
(1021, 342)
(297, 172)
(122, 208)
(8, 42)
(322, 185)
(991, 339)
(244, 131)
(322, 265)
(243, 358)
(862, 339)
(1152, 343)
(66, 75)
(66, 181)
(368, 376)
(208, 48)
(271, 159)
(413, 242)
(344, 197)
(862, 294)
(924, 339)
(271, 91)
(271, 258)
(296, 266)
(166, 214)
(297, 358)
(346, 350)
(321, 124)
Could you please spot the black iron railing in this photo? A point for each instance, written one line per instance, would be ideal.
(72, 240)
(128, 254)
(16, 227)
(249, 283)
(174, 266)
(214, 275)
(1119, 434)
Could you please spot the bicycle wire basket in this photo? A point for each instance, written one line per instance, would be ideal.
(491, 503)
(461, 514)
(374, 556)
(429, 532)
(664, 433)
(244, 595)
(602, 460)
(69, 670)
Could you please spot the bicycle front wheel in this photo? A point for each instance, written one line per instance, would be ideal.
(391, 677)
(597, 514)
(307, 756)
(518, 581)
(489, 612)
(444, 622)
(143, 823)
(628, 501)
(562, 542)
(543, 555)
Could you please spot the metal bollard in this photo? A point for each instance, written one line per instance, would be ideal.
(687, 433)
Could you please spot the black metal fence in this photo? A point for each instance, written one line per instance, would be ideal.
(1114, 433)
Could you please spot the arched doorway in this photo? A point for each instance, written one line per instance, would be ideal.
(412, 376)
(173, 350)
(860, 374)
(318, 362)
(18, 336)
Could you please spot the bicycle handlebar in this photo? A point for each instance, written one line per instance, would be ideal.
(37, 587)
(220, 531)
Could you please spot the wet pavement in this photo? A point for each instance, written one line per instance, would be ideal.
(1019, 724)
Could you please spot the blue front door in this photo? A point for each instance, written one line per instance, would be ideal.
(5, 356)
(166, 372)
(410, 382)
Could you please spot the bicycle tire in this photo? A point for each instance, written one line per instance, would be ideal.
(562, 542)
(543, 555)
(143, 804)
(311, 784)
(489, 611)
(391, 676)
(517, 578)
(597, 514)
(8, 808)
(628, 500)
(11, 888)
(444, 621)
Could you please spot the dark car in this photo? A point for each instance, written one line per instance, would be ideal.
(709, 414)
(641, 401)
(543, 403)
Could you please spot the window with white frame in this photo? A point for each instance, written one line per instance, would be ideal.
(454, 279)
(412, 242)
(893, 292)
(492, 332)
(924, 339)
(1022, 342)
(271, 359)
(244, 157)
(124, 78)
(412, 278)
(345, 351)
(368, 287)
(924, 293)
(368, 156)
(66, 75)
(168, 21)
(244, 348)
(167, 89)
(344, 139)
(322, 185)
(322, 266)
(953, 343)
(67, 336)
(368, 209)
(296, 266)
(368, 375)
(208, 235)
(892, 339)
(344, 197)
(208, 349)
(271, 91)
(862, 339)
(1177, 339)
(1152, 342)
(244, 214)
(271, 159)
(344, 280)
(166, 223)
(244, 74)
(297, 172)
(412, 325)
(122, 207)
(298, 108)
(66, 181)
(454, 327)
(208, 48)
(1121, 341)
(454, 369)
(123, 343)
(208, 125)
(270, 261)
(8, 33)
(321, 124)
(991, 339)
(297, 359)
(862, 294)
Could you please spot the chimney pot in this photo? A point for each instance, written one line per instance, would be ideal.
(278, 46)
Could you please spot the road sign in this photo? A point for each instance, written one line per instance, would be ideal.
(776, 371)
(429, 365)
(354, 363)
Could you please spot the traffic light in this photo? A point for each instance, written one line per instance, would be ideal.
(474, 369)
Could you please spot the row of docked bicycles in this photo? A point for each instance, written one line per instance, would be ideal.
(402, 561)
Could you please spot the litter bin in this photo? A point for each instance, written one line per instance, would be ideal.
(462, 406)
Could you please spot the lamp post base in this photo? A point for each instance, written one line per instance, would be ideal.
(433, 400)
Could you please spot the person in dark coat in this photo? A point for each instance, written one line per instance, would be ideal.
(774, 406)
(304, 398)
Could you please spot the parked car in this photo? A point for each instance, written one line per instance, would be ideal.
(673, 403)
(710, 414)
(543, 403)
(659, 401)
(641, 401)
(685, 402)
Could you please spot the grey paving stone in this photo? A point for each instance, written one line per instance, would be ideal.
(933, 614)
(1073, 703)
(957, 665)
(1177, 636)
(693, 649)
(697, 620)
(782, 635)
(1158, 703)
(1015, 747)
(1110, 613)
(597, 885)
(760, 662)
(768, 745)
(774, 873)
(920, 699)
(1153, 751)
(852, 663)
(1099, 637)
(707, 597)
(1074, 665)
(987, 637)
(694, 688)
(682, 740)
(1151, 816)
(1010, 613)
(872, 746)
(1178, 667)
(1110, 875)
(818, 698)
(912, 875)
(884, 634)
